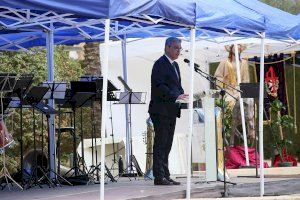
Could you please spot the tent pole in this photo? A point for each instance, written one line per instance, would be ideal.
(125, 73)
(261, 111)
(104, 104)
(191, 110)
(50, 65)
(238, 71)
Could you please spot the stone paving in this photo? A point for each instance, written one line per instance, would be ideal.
(280, 187)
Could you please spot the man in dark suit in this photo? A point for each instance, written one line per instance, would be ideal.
(165, 91)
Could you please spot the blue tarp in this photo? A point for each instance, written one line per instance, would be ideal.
(279, 24)
(181, 11)
(70, 37)
(207, 15)
(227, 14)
(211, 17)
(201, 13)
(97, 9)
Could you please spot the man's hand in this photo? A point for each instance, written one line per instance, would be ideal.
(182, 97)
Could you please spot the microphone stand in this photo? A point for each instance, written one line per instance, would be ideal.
(213, 80)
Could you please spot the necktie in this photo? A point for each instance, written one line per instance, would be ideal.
(174, 65)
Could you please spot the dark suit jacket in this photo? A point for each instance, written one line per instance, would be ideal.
(165, 88)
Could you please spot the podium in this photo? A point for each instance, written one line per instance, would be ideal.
(208, 115)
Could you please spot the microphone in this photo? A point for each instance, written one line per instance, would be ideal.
(196, 67)
(188, 61)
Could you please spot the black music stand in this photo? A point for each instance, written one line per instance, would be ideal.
(21, 88)
(47, 111)
(56, 90)
(110, 97)
(33, 98)
(80, 94)
(6, 102)
(62, 103)
(129, 97)
(88, 88)
(91, 87)
(95, 84)
(99, 85)
(7, 83)
(251, 90)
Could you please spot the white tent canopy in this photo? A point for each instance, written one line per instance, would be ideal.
(140, 61)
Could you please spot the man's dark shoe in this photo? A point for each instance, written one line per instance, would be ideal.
(161, 181)
(173, 182)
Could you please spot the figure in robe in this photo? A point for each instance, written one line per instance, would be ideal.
(227, 72)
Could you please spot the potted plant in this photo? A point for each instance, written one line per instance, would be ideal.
(280, 124)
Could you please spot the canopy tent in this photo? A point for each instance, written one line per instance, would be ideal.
(232, 17)
(14, 17)
(184, 12)
(99, 9)
(137, 56)
(164, 10)
(162, 14)
(228, 15)
(278, 24)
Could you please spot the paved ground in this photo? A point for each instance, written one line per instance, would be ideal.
(140, 189)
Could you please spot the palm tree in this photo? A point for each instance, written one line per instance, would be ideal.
(92, 66)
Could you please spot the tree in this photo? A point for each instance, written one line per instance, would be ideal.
(33, 62)
(291, 6)
(92, 66)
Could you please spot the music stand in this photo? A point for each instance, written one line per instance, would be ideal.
(98, 88)
(21, 88)
(251, 90)
(128, 98)
(80, 94)
(56, 90)
(6, 102)
(33, 98)
(7, 83)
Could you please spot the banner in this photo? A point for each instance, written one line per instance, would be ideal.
(274, 81)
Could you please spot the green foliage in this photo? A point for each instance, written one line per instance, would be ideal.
(280, 123)
(11, 163)
(291, 6)
(34, 62)
(227, 115)
(289, 135)
(285, 121)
